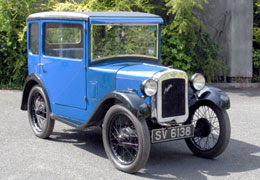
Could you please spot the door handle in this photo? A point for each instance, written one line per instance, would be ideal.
(40, 64)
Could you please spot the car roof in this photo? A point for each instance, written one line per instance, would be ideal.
(85, 15)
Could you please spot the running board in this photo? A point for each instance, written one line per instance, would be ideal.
(71, 122)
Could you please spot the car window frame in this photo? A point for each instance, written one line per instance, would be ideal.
(83, 36)
(29, 38)
(122, 58)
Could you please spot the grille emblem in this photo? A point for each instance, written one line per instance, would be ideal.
(167, 89)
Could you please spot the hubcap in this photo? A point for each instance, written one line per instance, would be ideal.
(38, 112)
(203, 128)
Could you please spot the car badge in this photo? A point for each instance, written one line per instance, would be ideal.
(167, 89)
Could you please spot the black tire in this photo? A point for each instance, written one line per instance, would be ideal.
(126, 139)
(39, 113)
(211, 124)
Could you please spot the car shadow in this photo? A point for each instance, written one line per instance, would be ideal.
(173, 160)
(89, 139)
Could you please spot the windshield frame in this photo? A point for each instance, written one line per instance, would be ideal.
(125, 57)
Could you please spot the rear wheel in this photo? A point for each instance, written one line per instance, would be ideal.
(212, 130)
(126, 139)
(39, 113)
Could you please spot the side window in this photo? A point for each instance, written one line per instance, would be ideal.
(63, 40)
(34, 38)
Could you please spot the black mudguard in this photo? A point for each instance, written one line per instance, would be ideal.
(30, 81)
(132, 101)
(129, 99)
(212, 94)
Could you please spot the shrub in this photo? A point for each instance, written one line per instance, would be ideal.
(256, 62)
(256, 40)
(185, 45)
(13, 66)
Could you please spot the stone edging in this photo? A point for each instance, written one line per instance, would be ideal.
(235, 85)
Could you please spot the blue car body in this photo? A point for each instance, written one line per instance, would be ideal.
(78, 89)
(103, 69)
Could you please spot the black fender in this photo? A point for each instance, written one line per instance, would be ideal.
(30, 81)
(129, 99)
(212, 94)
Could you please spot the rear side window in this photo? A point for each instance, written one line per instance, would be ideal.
(34, 38)
(63, 40)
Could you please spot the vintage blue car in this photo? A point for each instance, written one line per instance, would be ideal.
(103, 69)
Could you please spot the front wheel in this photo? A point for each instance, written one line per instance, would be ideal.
(126, 139)
(212, 130)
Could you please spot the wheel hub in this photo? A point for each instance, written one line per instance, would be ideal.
(203, 128)
(40, 113)
(39, 106)
(124, 135)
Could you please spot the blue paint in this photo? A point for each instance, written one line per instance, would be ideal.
(64, 77)
(131, 77)
(159, 43)
(33, 59)
(108, 20)
(74, 86)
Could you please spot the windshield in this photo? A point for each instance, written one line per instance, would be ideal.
(109, 41)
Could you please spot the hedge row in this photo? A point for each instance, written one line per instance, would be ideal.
(256, 41)
(185, 43)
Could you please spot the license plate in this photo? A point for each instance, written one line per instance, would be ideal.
(172, 133)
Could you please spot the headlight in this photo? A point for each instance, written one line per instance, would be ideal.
(198, 81)
(149, 87)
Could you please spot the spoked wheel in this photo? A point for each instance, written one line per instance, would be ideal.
(212, 130)
(123, 139)
(126, 139)
(39, 113)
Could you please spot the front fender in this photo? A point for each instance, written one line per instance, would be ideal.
(132, 101)
(212, 94)
(129, 99)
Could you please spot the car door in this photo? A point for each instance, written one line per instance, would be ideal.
(63, 62)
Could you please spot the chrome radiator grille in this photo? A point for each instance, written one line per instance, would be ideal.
(171, 101)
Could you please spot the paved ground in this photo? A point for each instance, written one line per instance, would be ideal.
(72, 154)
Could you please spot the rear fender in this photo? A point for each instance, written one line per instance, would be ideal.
(31, 81)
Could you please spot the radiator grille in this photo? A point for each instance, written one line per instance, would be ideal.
(173, 97)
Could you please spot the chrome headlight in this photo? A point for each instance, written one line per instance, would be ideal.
(149, 87)
(198, 81)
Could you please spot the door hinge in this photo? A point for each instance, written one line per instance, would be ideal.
(85, 98)
(85, 67)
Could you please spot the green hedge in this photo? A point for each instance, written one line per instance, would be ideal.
(13, 53)
(185, 43)
(256, 41)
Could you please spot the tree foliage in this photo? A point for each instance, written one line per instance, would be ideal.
(185, 44)
(13, 46)
(256, 39)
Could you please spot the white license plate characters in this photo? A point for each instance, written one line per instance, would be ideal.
(172, 133)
